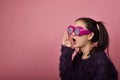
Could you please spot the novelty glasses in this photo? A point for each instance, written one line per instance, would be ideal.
(79, 31)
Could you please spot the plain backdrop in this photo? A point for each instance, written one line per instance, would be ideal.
(31, 32)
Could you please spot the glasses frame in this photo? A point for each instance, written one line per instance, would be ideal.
(78, 30)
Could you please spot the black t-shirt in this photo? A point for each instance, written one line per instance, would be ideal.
(96, 67)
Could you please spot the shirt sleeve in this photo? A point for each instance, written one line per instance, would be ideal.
(65, 65)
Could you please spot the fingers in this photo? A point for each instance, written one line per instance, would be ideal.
(71, 40)
(66, 40)
(66, 35)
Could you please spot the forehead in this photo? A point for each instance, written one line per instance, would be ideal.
(80, 23)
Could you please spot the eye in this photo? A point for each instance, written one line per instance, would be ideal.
(70, 30)
(77, 31)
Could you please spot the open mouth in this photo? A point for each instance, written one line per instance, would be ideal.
(74, 40)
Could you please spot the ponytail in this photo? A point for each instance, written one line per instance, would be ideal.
(103, 41)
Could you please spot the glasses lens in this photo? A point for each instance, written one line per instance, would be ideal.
(77, 31)
(70, 30)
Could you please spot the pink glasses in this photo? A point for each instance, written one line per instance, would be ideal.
(79, 30)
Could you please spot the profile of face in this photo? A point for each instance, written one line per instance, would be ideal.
(82, 40)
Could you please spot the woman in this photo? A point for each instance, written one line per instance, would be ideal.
(91, 61)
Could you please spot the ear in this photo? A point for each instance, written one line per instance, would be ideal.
(90, 36)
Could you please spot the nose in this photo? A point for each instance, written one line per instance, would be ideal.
(73, 34)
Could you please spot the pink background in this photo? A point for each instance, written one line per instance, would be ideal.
(31, 32)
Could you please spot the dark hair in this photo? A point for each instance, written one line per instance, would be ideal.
(100, 33)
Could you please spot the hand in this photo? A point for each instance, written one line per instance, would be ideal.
(67, 40)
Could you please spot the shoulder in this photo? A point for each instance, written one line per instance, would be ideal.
(100, 56)
(104, 65)
(101, 59)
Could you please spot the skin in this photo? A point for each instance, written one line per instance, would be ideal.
(82, 42)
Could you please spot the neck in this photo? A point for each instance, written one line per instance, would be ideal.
(86, 50)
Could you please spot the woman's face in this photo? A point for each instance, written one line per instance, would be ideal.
(79, 41)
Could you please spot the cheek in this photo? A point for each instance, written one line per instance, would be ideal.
(82, 40)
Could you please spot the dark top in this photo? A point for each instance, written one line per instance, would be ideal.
(97, 67)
